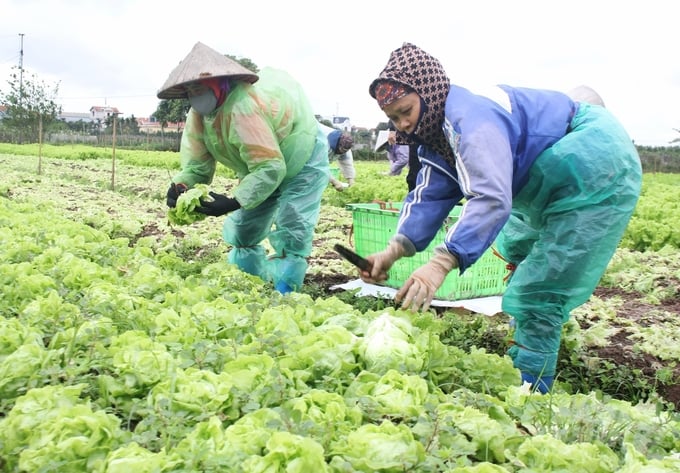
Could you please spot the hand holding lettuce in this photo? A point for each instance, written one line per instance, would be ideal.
(197, 203)
(184, 212)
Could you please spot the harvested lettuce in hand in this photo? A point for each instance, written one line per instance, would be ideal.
(184, 213)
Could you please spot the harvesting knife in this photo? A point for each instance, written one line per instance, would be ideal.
(352, 257)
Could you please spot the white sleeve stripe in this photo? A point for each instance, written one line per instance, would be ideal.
(434, 165)
(496, 94)
(452, 229)
(464, 178)
(426, 172)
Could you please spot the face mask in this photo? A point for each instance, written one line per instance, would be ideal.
(205, 103)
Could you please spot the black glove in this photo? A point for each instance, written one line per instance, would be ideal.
(220, 205)
(174, 193)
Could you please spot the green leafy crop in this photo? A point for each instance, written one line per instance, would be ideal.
(184, 213)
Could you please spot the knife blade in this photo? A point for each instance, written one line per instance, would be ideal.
(352, 257)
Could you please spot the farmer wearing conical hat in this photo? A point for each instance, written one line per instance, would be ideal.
(263, 128)
(584, 93)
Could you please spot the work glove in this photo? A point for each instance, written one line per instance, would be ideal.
(381, 262)
(338, 185)
(173, 194)
(418, 290)
(220, 205)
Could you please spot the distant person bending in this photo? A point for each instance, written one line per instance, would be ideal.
(340, 148)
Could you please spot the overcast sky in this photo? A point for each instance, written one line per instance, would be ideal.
(120, 53)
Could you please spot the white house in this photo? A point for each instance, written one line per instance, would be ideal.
(72, 117)
(102, 113)
(341, 123)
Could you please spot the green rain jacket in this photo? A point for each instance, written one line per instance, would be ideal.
(265, 132)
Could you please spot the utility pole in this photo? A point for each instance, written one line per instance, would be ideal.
(21, 70)
(113, 151)
(21, 85)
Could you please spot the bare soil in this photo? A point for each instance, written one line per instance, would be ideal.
(621, 351)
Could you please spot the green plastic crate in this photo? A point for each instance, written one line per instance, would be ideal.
(373, 226)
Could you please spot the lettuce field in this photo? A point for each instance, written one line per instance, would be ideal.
(128, 344)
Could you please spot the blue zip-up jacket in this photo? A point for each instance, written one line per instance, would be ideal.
(495, 137)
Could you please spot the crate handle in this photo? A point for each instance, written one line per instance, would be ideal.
(381, 203)
(384, 205)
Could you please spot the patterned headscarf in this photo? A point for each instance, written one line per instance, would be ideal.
(414, 68)
(387, 91)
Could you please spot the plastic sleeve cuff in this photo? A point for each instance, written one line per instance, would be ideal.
(446, 259)
(408, 248)
(444, 252)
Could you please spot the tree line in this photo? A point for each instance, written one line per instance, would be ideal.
(31, 112)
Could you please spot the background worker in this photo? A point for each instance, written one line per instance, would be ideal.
(340, 148)
(397, 154)
(556, 180)
(263, 128)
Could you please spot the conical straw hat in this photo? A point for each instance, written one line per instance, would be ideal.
(583, 93)
(202, 63)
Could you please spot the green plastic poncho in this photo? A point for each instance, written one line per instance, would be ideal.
(268, 134)
(566, 225)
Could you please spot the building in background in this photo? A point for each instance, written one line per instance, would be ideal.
(340, 123)
(98, 112)
(74, 117)
(151, 125)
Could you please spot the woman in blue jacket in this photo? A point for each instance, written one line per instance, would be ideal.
(552, 181)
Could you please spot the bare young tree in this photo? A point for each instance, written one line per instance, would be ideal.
(31, 105)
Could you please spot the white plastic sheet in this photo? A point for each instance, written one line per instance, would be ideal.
(483, 305)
